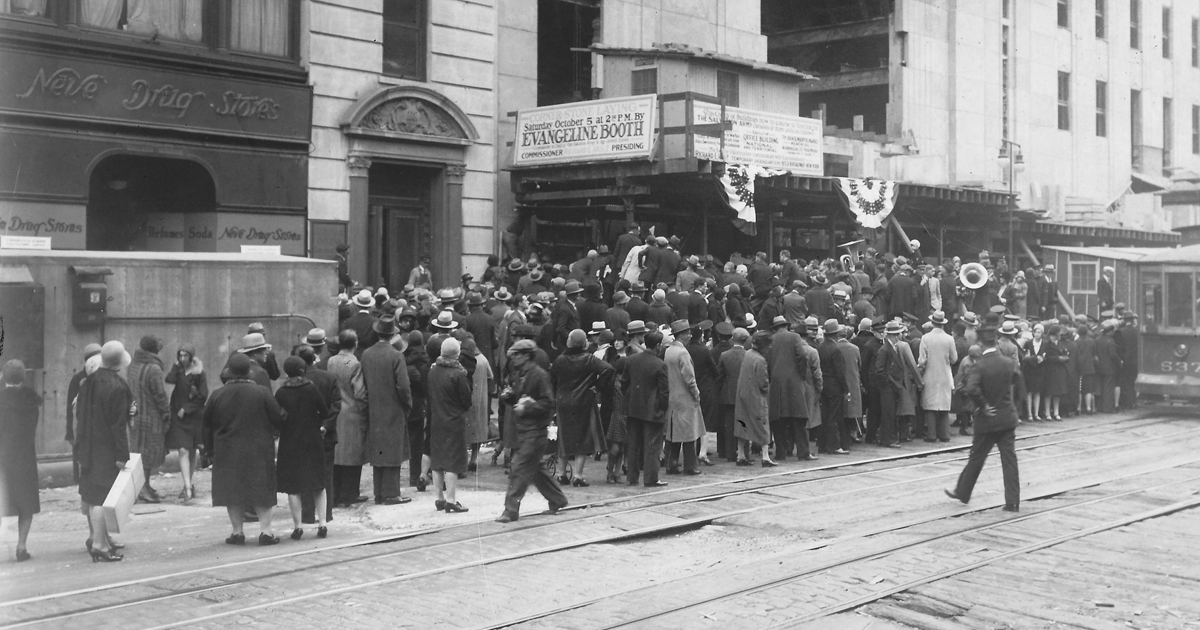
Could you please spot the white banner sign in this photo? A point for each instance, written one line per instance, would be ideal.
(25, 242)
(608, 129)
(262, 249)
(790, 143)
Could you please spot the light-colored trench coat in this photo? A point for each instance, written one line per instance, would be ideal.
(937, 355)
(685, 420)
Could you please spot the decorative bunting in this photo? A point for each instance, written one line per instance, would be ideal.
(870, 200)
(739, 182)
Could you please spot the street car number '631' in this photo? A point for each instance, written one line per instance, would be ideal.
(1180, 366)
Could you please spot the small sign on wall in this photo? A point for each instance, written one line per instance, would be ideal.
(262, 249)
(25, 242)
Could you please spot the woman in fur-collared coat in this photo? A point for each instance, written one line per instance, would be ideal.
(187, 412)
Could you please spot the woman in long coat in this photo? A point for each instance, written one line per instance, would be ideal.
(1055, 372)
(685, 419)
(300, 467)
(1032, 368)
(102, 413)
(449, 391)
(187, 412)
(240, 420)
(349, 454)
(577, 376)
(752, 407)
(418, 363)
(18, 452)
(480, 415)
(148, 430)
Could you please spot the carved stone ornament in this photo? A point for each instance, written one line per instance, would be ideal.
(412, 116)
(358, 165)
(456, 170)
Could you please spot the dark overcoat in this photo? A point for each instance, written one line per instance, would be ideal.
(389, 401)
(577, 377)
(449, 392)
(18, 451)
(647, 391)
(994, 382)
(852, 361)
(301, 463)
(729, 368)
(148, 429)
(240, 421)
(101, 439)
(706, 380)
(751, 414)
(787, 364)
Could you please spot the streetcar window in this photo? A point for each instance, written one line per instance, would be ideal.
(1181, 307)
(1152, 296)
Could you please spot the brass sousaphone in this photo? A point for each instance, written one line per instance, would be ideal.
(973, 275)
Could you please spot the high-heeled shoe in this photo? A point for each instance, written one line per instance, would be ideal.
(99, 555)
(322, 531)
(420, 484)
(297, 534)
(439, 505)
(580, 482)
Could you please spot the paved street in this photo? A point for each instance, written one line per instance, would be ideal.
(1102, 541)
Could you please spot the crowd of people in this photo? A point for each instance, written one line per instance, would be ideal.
(637, 353)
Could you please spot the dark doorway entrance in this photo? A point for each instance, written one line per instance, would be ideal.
(126, 192)
(399, 222)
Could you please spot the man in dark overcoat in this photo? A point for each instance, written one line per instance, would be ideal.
(869, 341)
(729, 368)
(482, 326)
(361, 322)
(902, 293)
(992, 387)
(833, 394)
(1108, 366)
(389, 401)
(1129, 344)
(788, 409)
(644, 383)
(531, 399)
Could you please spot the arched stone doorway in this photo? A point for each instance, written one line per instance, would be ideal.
(145, 203)
(406, 161)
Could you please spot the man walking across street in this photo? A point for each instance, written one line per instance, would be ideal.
(992, 387)
(531, 399)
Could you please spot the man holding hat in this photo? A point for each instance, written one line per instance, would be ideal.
(531, 400)
(992, 385)
(389, 401)
(685, 419)
(148, 428)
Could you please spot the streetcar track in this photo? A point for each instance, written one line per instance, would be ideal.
(820, 544)
(401, 537)
(608, 537)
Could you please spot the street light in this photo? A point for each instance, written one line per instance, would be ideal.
(1015, 163)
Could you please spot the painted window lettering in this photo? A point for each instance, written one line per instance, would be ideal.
(1180, 366)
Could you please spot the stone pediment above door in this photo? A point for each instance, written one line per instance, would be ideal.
(409, 113)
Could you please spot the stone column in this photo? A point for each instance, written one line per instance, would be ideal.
(448, 228)
(356, 237)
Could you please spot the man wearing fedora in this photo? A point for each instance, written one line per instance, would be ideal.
(788, 365)
(637, 306)
(482, 326)
(896, 372)
(992, 385)
(646, 388)
(440, 329)
(362, 321)
(936, 356)
(530, 397)
(685, 419)
(255, 347)
(389, 401)
(835, 433)
(567, 316)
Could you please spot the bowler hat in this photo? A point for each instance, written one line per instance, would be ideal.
(445, 321)
(385, 326)
(573, 288)
(636, 327)
(680, 326)
(761, 339)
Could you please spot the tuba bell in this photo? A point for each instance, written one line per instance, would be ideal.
(847, 262)
(973, 275)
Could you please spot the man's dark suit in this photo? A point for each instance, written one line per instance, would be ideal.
(651, 259)
(1128, 343)
(833, 396)
(902, 296)
(1108, 366)
(362, 323)
(992, 386)
(669, 266)
(647, 393)
(638, 309)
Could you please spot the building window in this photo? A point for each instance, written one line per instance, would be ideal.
(1180, 302)
(1064, 13)
(1004, 9)
(644, 81)
(260, 26)
(1196, 129)
(1135, 128)
(1166, 34)
(727, 87)
(1195, 43)
(1135, 24)
(1064, 101)
(1168, 120)
(404, 39)
(1100, 6)
(1101, 109)
(180, 20)
(1083, 277)
(30, 8)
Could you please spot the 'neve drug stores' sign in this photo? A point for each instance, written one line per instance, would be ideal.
(63, 224)
(590, 131)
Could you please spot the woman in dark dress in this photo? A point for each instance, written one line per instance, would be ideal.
(187, 413)
(1054, 372)
(18, 454)
(300, 468)
(449, 392)
(240, 420)
(102, 411)
(577, 376)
